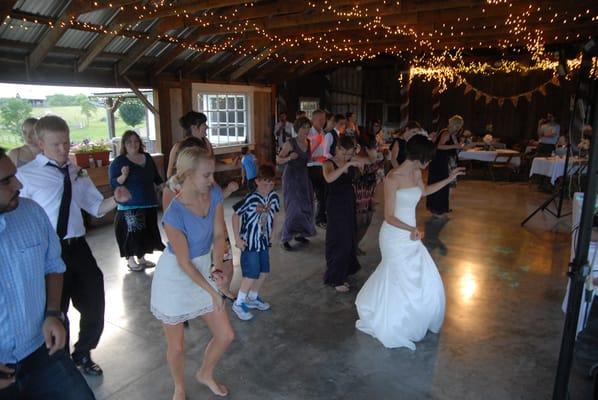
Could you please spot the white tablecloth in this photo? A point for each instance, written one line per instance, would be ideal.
(585, 305)
(490, 156)
(554, 167)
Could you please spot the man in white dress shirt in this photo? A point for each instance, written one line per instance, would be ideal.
(63, 190)
(283, 130)
(331, 138)
(314, 166)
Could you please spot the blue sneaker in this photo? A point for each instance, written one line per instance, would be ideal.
(242, 311)
(257, 304)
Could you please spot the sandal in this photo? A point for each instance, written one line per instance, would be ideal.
(136, 267)
(341, 288)
(147, 264)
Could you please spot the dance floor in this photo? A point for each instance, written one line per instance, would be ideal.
(500, 340)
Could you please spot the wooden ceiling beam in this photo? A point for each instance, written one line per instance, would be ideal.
(172, 54)
(117, 24)
(53, 35)
(192, 7)
(250, 64)
(224, 65)
(233, 14)
(134, 55)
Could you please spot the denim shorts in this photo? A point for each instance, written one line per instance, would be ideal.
(255, 262)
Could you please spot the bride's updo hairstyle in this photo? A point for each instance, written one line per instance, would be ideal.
(420, 148)
(188, 160)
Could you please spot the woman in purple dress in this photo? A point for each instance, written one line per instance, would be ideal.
(296, 186)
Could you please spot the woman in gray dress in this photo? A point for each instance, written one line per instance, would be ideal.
(296, 186)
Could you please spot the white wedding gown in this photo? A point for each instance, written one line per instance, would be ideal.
(404, 297)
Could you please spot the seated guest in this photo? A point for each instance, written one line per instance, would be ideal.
(548, 135)
(22, 155)
(33, 362)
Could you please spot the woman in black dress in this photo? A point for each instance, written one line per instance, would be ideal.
(447, 144)
(341, 245)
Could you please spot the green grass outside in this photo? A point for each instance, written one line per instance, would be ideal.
(96, 130)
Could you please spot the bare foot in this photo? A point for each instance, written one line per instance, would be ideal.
(179, 394)
(215, 387)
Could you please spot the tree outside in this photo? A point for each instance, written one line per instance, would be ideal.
(88, 109)
(13, 112)
(132, 112)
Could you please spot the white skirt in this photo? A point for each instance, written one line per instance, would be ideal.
(175, 298)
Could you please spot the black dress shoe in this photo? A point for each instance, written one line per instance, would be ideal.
(86, 364)
(301, 239)
(287, 246)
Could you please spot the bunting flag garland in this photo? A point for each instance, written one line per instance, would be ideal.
(513, 99)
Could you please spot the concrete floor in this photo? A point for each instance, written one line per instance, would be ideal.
(500, 340)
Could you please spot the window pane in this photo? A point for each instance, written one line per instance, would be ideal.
(240, 103)
(241, 132)
(240, 117)
(221, 116)
(230, 102)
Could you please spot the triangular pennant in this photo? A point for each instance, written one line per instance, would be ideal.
(555, 81)
(478, 95)
(501, 101)
(468, 88)
(542, 89)
(488, 99)
(528, 96)
(515, 101)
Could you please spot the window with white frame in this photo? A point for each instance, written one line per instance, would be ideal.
(309, 106)
(227, 114)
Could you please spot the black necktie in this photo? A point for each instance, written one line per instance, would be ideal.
(65, 202)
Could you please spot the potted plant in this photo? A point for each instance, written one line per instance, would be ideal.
(87, 150)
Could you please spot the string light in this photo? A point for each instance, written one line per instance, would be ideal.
(517, 32)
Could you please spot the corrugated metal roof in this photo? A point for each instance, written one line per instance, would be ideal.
(98, 17)
(187, 54)
(120, 45)
(47, 8)
(158, 48)
(144, 26)
(21, 31)
(76, 39)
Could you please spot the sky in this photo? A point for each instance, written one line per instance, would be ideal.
(41, 91)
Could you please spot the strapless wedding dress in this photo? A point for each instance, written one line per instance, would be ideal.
(404, 297)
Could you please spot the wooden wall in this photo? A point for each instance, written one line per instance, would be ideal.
(377, 89)
(512, 124)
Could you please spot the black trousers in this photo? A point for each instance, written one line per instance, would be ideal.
(83, 284)
(320, 190)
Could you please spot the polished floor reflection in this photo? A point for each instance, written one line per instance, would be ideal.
(504, 286)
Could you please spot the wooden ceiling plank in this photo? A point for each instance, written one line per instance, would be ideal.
(39, 53)
(117, 24)
(250, 64)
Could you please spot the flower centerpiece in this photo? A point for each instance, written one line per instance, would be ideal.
(488, 140)
(87, 150)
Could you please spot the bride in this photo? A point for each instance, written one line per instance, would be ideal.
(404, 297)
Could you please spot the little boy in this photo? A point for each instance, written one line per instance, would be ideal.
(248, 168)
(253, 223)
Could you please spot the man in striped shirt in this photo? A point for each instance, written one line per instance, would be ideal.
(253, 223)
(33, 362)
